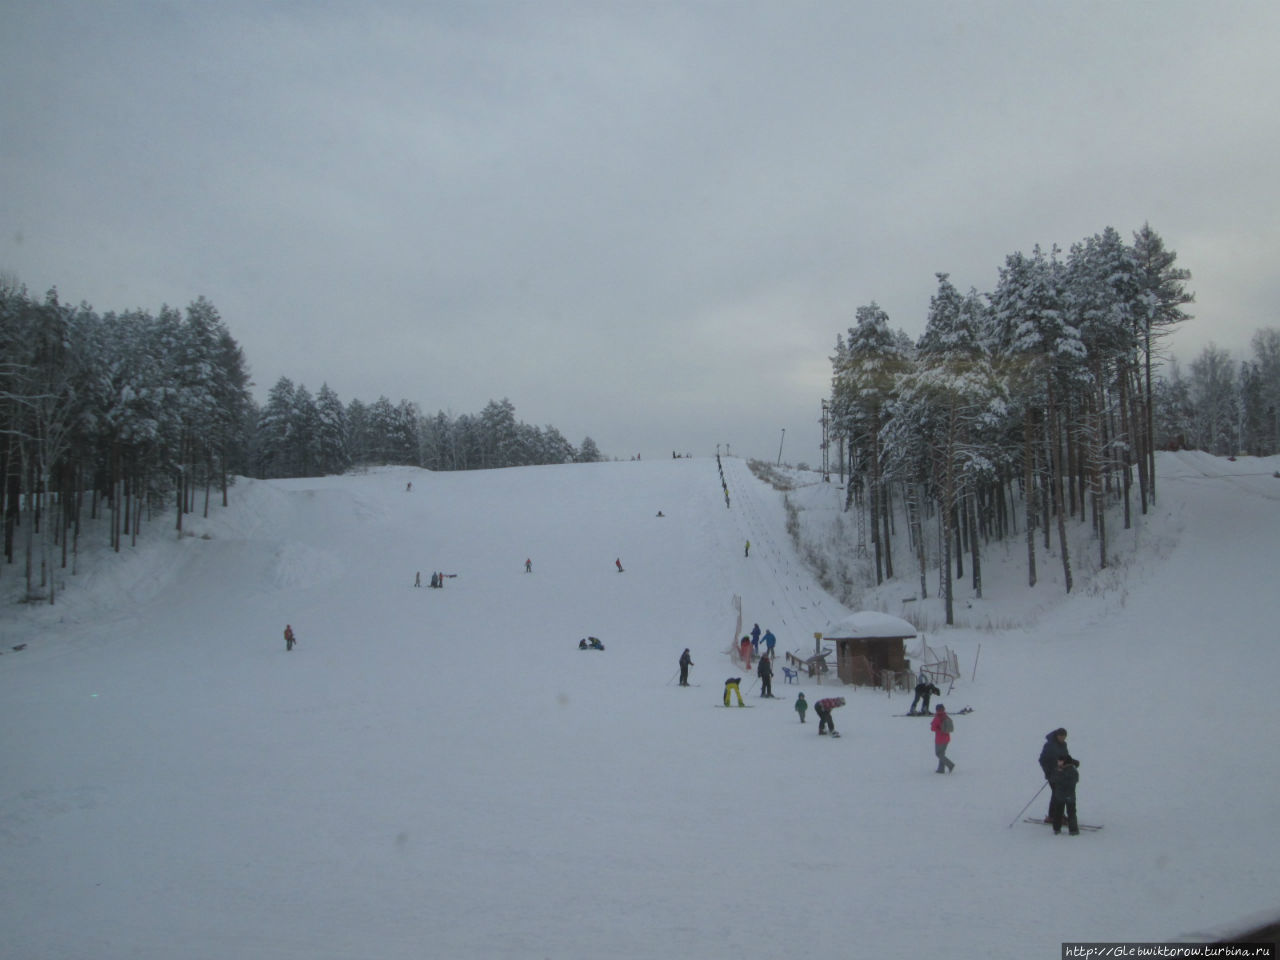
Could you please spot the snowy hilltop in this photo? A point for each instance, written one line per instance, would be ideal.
(444, 773)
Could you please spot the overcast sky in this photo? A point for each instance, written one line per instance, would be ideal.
(644, 222)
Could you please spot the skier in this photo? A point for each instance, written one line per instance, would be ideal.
(924, 691)
(289, 638)
(528, 565)
(942, 726)
(769, 641)
(755, 637)
(731, 686)
(765, 673)
(823, 709)
(1055, 747)
(801, 705)
(618, 563)
(686, 662)
(1064, 782)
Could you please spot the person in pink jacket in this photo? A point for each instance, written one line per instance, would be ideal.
(942, 726)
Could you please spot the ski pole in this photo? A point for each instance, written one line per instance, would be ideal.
(1030, 802)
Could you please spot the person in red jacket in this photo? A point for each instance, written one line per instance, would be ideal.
(942, 726)
(823, 709)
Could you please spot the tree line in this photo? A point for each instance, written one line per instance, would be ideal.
(1031, 406)
(126, 415)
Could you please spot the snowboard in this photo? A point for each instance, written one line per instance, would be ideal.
(1091, 827)
(735, 706)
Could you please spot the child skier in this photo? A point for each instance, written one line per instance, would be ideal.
(1064, 782)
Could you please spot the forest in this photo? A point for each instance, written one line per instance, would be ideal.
(1037, 404)
(1015, 411)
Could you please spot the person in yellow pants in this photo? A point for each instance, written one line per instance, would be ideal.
(731, 686)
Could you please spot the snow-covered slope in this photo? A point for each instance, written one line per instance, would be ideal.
(443, 773)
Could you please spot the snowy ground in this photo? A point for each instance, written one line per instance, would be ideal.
(442, 773)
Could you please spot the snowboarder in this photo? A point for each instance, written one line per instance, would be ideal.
(769, 641)
(924, 691)
(731, 686)
(686, 662)
(594, 643)
(801, 705)
(942, 726)
(528, 565)
(1055, 748)
(1064, 782)
(289, 638)
(823, 709)
(618, 563)
(744, 650)
(765, 673)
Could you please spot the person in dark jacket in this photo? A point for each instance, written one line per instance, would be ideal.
(801, 705)
(1054, 749)
(924, 690)
(1064, 782)
(765, 673)
(686, 662)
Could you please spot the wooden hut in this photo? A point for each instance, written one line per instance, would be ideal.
(868, 643)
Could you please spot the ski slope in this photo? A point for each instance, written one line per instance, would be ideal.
(443, 773)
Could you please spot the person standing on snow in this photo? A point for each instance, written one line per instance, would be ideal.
(528, 565)
(731, 686)
(755, 637)
(769, 641)
(1064, 782)
(289, 638)
(618, 563)
(744, 650)
(942, 726)
(686, 662)
(823, 709)
(765, 673)
(924, 690)
(747, 551)
(1054, 749)
(801, 705)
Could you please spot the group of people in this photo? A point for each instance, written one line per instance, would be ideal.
(590, 643)
(1061, 770)
(749, 646)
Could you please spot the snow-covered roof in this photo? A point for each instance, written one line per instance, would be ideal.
(868, 623)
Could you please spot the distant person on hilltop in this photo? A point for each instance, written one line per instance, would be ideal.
(528, 565)
(289, 638)
(618, 563)
(686, 661)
